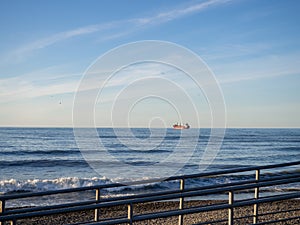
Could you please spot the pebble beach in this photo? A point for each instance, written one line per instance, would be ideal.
(84, 216)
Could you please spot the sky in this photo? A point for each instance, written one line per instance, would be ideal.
(251, 46)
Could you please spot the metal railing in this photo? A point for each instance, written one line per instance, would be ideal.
(13, 215)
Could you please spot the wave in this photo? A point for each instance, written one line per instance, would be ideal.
(151, 151)
(40, 152)
(43, 163)
(13, 186)
(285, 149)
(35, 185)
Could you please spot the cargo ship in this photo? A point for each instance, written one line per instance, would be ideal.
(179, 126)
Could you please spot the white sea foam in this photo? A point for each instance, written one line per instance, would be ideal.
(34, 185)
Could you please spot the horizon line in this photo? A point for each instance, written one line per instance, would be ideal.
(99, 127)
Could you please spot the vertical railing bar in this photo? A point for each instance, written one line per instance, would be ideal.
(181, 202)
(256, 196)
(2, 208)
(97, 211)
(230, 210)
(130, 213)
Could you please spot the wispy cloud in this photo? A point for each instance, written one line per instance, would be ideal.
(42, 43)
(227, 52)
(257, 75)
(118, 26)
(166, 16)
(14, 90)
(37, 83)
(48, 82)
(60, 37)
(263, 67)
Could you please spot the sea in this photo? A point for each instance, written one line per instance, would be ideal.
(42, 159)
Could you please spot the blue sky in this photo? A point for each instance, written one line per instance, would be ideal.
(251, 46)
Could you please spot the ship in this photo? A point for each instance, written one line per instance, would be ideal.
(180, 126)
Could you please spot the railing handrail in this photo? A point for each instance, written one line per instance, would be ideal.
(215, 207)
(183, 194)
(237, 170)
(164, 214)
(161, 193)
(113, 185)
(219, 206)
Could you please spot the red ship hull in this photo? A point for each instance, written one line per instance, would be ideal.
(181, 127)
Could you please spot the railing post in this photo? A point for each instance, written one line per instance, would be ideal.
(97, 211)
(181, 202)
(230, 210)
(2, 208)
(256, 196)
(130, 213)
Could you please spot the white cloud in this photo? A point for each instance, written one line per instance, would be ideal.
(23, 51)
(50, 82)
(36, 84)
(177, 13)
(257, 75)
(19, 89)
(263, 67)
(230, 51)
(123, 28)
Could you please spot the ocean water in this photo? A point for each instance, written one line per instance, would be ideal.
(39, 159)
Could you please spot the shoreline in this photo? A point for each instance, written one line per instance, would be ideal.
(144, 208)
